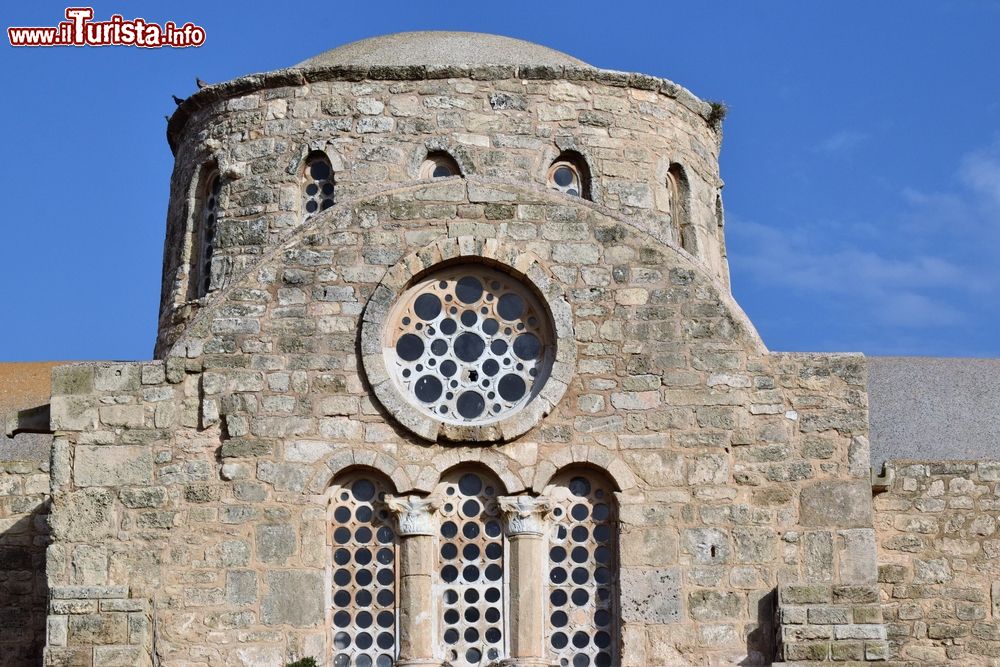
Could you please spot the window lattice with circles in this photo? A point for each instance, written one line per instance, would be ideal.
(570, 175)
(565, 177)
(471, 575)
(364, 576)
(582, 574)
(318, 187)
(469, 345)
(206, 233)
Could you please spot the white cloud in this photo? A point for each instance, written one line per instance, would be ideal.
(885, 289)
(841, 142)
(930, 266)
(980, 171)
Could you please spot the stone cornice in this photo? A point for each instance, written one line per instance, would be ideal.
(296, 76)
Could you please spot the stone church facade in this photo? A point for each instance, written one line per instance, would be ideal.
(448, 372)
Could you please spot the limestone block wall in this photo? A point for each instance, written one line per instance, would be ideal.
(24, 535)
(191, 496)
(819, 623)
(107, 534)
(938, 561)
(377, 126)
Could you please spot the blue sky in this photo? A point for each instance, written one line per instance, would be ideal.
(861, 156)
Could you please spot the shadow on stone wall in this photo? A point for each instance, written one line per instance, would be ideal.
(23, 585)
(761, 641)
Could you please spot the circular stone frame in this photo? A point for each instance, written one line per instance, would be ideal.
(495, 255)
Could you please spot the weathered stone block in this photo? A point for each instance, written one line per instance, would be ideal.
(804, 594)
(82, 516)
(858, 557)
(239, 448)
(97, 629)
(712, 605)
(707, 545)
(293, 597)
(836, 504)
(117, 377)
(67, 380)
(73, 413)
(275, 543)
(650, 595)
(113, 465)
(57, 630)
(119, 656)
(241, 587)
(754, 544)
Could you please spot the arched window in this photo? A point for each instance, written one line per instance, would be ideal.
(678, 193)
(439, 165)
(363, 542)
(203, 241)
(570, 175)
(317, 189)
(583, 572)
(471, 570)
(720, 223)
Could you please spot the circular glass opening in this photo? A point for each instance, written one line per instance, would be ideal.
(469, 345)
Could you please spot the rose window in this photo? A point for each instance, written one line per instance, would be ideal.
(469, 345)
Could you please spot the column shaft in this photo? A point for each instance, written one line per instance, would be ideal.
(416, 601)
(417, 622)
(527, 607)
(526, 567)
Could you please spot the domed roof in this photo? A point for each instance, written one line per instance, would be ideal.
(434, 47)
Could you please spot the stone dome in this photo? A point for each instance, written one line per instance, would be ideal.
(433, 47)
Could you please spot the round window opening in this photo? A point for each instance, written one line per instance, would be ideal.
(469, 345)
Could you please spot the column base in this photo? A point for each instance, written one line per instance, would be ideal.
(528, 662)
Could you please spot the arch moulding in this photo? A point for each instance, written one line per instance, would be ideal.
(494, 253)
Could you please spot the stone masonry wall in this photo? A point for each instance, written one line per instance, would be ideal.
(190, 496)
(24, 535)
(819, 623)
(499, 123)
(939, 561)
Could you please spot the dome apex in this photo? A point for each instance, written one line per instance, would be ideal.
(433, 47)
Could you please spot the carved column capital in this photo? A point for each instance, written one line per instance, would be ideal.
(524, 515)
(414, 514)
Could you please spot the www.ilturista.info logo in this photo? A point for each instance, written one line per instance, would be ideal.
(80, 30)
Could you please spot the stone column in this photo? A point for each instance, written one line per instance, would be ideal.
(525, 526)
(416, 529)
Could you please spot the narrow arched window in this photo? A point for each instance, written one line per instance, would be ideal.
(570, 175)
(439, 165)
(363, 556)
(317, 188)
(678, 193)
(720, 222)
(203, 241)
(583, 571)
(471, 570)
